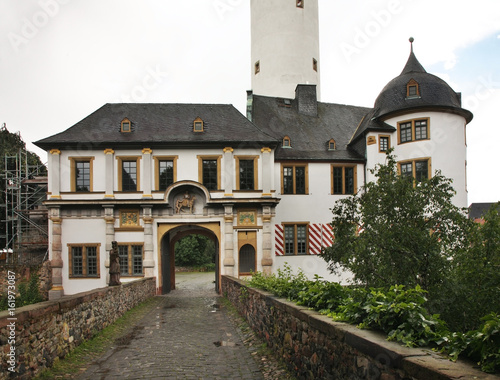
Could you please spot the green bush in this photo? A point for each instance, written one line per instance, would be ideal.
(322, 295)
(399, 312)
(481, 345)
(283, 284)
(28, 293)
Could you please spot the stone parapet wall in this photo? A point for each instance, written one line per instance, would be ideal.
(49, 330)
(316, 347)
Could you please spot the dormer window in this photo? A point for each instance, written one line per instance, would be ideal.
(286, 142)
(412, 90)
(332, 145)
(126, 125)
(198, 125)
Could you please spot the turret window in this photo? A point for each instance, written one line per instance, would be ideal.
(418, 170)
(413, 130)
(412, 89)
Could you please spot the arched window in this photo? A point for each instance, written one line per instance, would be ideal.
(247, 259)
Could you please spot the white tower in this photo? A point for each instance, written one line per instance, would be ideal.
(285, 46)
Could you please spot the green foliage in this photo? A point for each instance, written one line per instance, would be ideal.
(408, 230)
(283, 284)
(194, 250)
(28, 294)
(482, 345)
(399, 312)
(322, 295)
(475, 280)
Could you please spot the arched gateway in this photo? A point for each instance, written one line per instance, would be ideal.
(171, 233)
(229, 222)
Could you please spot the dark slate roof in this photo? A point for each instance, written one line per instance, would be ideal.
(371, 124)
(435, 93)
(160, 125)
(309, 135)
(478, 210)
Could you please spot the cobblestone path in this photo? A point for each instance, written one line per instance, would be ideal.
(188, 334)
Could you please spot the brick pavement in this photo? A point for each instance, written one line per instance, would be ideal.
(187, 335)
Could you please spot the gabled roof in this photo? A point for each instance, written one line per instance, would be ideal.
(309, 135)
(158, 124)
(371, 124)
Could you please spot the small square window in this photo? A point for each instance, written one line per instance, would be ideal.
(384, 143)
(300, 3)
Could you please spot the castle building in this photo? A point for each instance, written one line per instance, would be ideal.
(260, 186)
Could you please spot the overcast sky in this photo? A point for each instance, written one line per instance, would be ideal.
(60, 60)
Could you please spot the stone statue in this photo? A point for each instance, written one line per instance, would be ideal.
(114, 265)
(186, 201)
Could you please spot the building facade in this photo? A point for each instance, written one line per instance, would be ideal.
(260, 186)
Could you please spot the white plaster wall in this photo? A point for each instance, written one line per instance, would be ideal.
(83, 231)
(446, 148)
(285, 39)
(98, 174)
(313, 208)
(311, 265)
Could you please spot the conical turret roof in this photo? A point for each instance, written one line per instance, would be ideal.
(432, 93)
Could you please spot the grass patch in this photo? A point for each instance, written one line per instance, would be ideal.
(78, 360)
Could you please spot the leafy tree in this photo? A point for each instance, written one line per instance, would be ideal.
(194, 250)
(476, 276)
(397, 231)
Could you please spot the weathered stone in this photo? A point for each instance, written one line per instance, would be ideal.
(317, 347)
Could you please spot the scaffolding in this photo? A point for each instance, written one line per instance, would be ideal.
(24, 217)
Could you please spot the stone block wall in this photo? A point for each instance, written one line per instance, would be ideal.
(23, 273)
(315, 347)
(48, 330)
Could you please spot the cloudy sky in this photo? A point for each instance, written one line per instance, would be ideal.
(62, 59)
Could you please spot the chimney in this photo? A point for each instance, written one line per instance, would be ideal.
(307, 101)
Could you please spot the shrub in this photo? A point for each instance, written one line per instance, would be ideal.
(399, 312)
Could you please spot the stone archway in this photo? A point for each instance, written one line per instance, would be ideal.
(168, 235)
